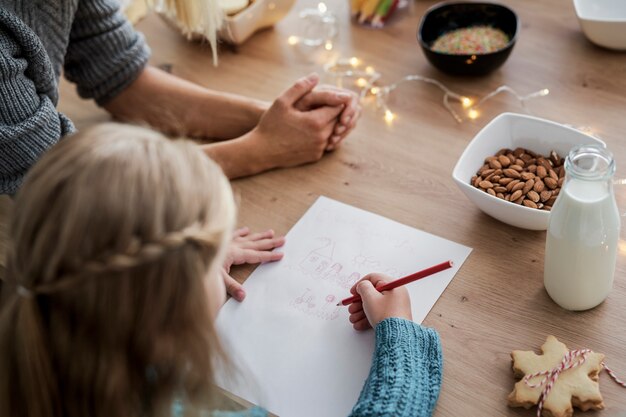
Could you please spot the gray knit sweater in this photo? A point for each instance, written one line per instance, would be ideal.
(90, 39)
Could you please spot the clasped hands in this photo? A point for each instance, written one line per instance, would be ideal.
(304, 122)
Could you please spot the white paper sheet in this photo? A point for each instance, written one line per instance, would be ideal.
(296, 350)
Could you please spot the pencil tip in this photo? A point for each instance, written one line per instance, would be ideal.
(338, 304)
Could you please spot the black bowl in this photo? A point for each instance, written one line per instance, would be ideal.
(445, 17)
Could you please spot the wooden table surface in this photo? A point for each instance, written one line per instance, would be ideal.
(496, 303)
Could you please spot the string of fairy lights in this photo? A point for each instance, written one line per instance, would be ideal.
(365, 78)
(319, 28)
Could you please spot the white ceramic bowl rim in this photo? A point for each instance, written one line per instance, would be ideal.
(585, 12)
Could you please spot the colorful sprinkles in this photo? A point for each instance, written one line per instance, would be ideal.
(471, 40)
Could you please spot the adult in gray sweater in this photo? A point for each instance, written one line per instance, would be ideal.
(103, 55)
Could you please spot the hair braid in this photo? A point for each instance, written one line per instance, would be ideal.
(137, 254)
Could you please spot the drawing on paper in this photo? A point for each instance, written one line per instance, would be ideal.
(319, 259)
(325, 310)
(320, 263)
(365, 261)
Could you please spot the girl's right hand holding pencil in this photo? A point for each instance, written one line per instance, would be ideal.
(376, 306)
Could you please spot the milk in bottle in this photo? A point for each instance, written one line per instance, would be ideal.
(582, 236)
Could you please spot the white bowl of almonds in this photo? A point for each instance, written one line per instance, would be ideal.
(513, 168)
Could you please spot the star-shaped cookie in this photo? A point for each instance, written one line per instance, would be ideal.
(577, 386)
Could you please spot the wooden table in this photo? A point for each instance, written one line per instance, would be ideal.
(496, 303)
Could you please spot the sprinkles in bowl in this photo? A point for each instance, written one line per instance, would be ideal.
(471, 40)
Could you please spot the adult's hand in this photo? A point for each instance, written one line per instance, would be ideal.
(328, 95)
(249, 248)
(288, 136)
(374, 306)
(285, 135)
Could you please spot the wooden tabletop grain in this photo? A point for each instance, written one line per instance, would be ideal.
(496, 303)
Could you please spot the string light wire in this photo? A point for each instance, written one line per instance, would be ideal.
(366, 79)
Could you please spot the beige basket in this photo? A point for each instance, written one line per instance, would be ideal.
(259, 15)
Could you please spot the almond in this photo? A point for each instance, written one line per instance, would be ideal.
(539, 185)
(553, 174)
(525, 157)
(532, 168)
(530, 203)
(533, 196)
(516, 195)
(511, 173)
(550, 182)
(541, 171)
(554, 157)
(490, 191)
(504, 160)
(509, 186)
(495, 164)
(499, 189)
(528, 186)
(518, 186)
(505, 180)
(516, 167)
(545, 196)
(485, 184)
(546, 163)
(527, 176)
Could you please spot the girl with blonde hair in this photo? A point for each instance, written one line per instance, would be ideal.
(119, 238)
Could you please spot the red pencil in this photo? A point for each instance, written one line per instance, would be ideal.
(402, 281)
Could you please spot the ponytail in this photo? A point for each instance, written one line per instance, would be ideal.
(28, 387)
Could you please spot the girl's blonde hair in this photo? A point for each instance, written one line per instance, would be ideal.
(105, 311)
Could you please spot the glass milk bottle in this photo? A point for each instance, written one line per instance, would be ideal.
(582, 237)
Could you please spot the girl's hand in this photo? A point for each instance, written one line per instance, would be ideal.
(374, 306)
(246, 248)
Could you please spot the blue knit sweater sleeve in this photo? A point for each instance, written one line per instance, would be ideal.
(105, 54)
(405, 376)
(406, 372)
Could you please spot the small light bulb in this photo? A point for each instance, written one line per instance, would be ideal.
(473, 114)
(361, 82)
(389, 116)
(322, 7)
(292, 40)
(466, 102)
(328, 45)
(354, 61)
(374, 90)
(544, 92)
(369, 70)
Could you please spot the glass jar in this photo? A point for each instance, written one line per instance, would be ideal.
(583, 232)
